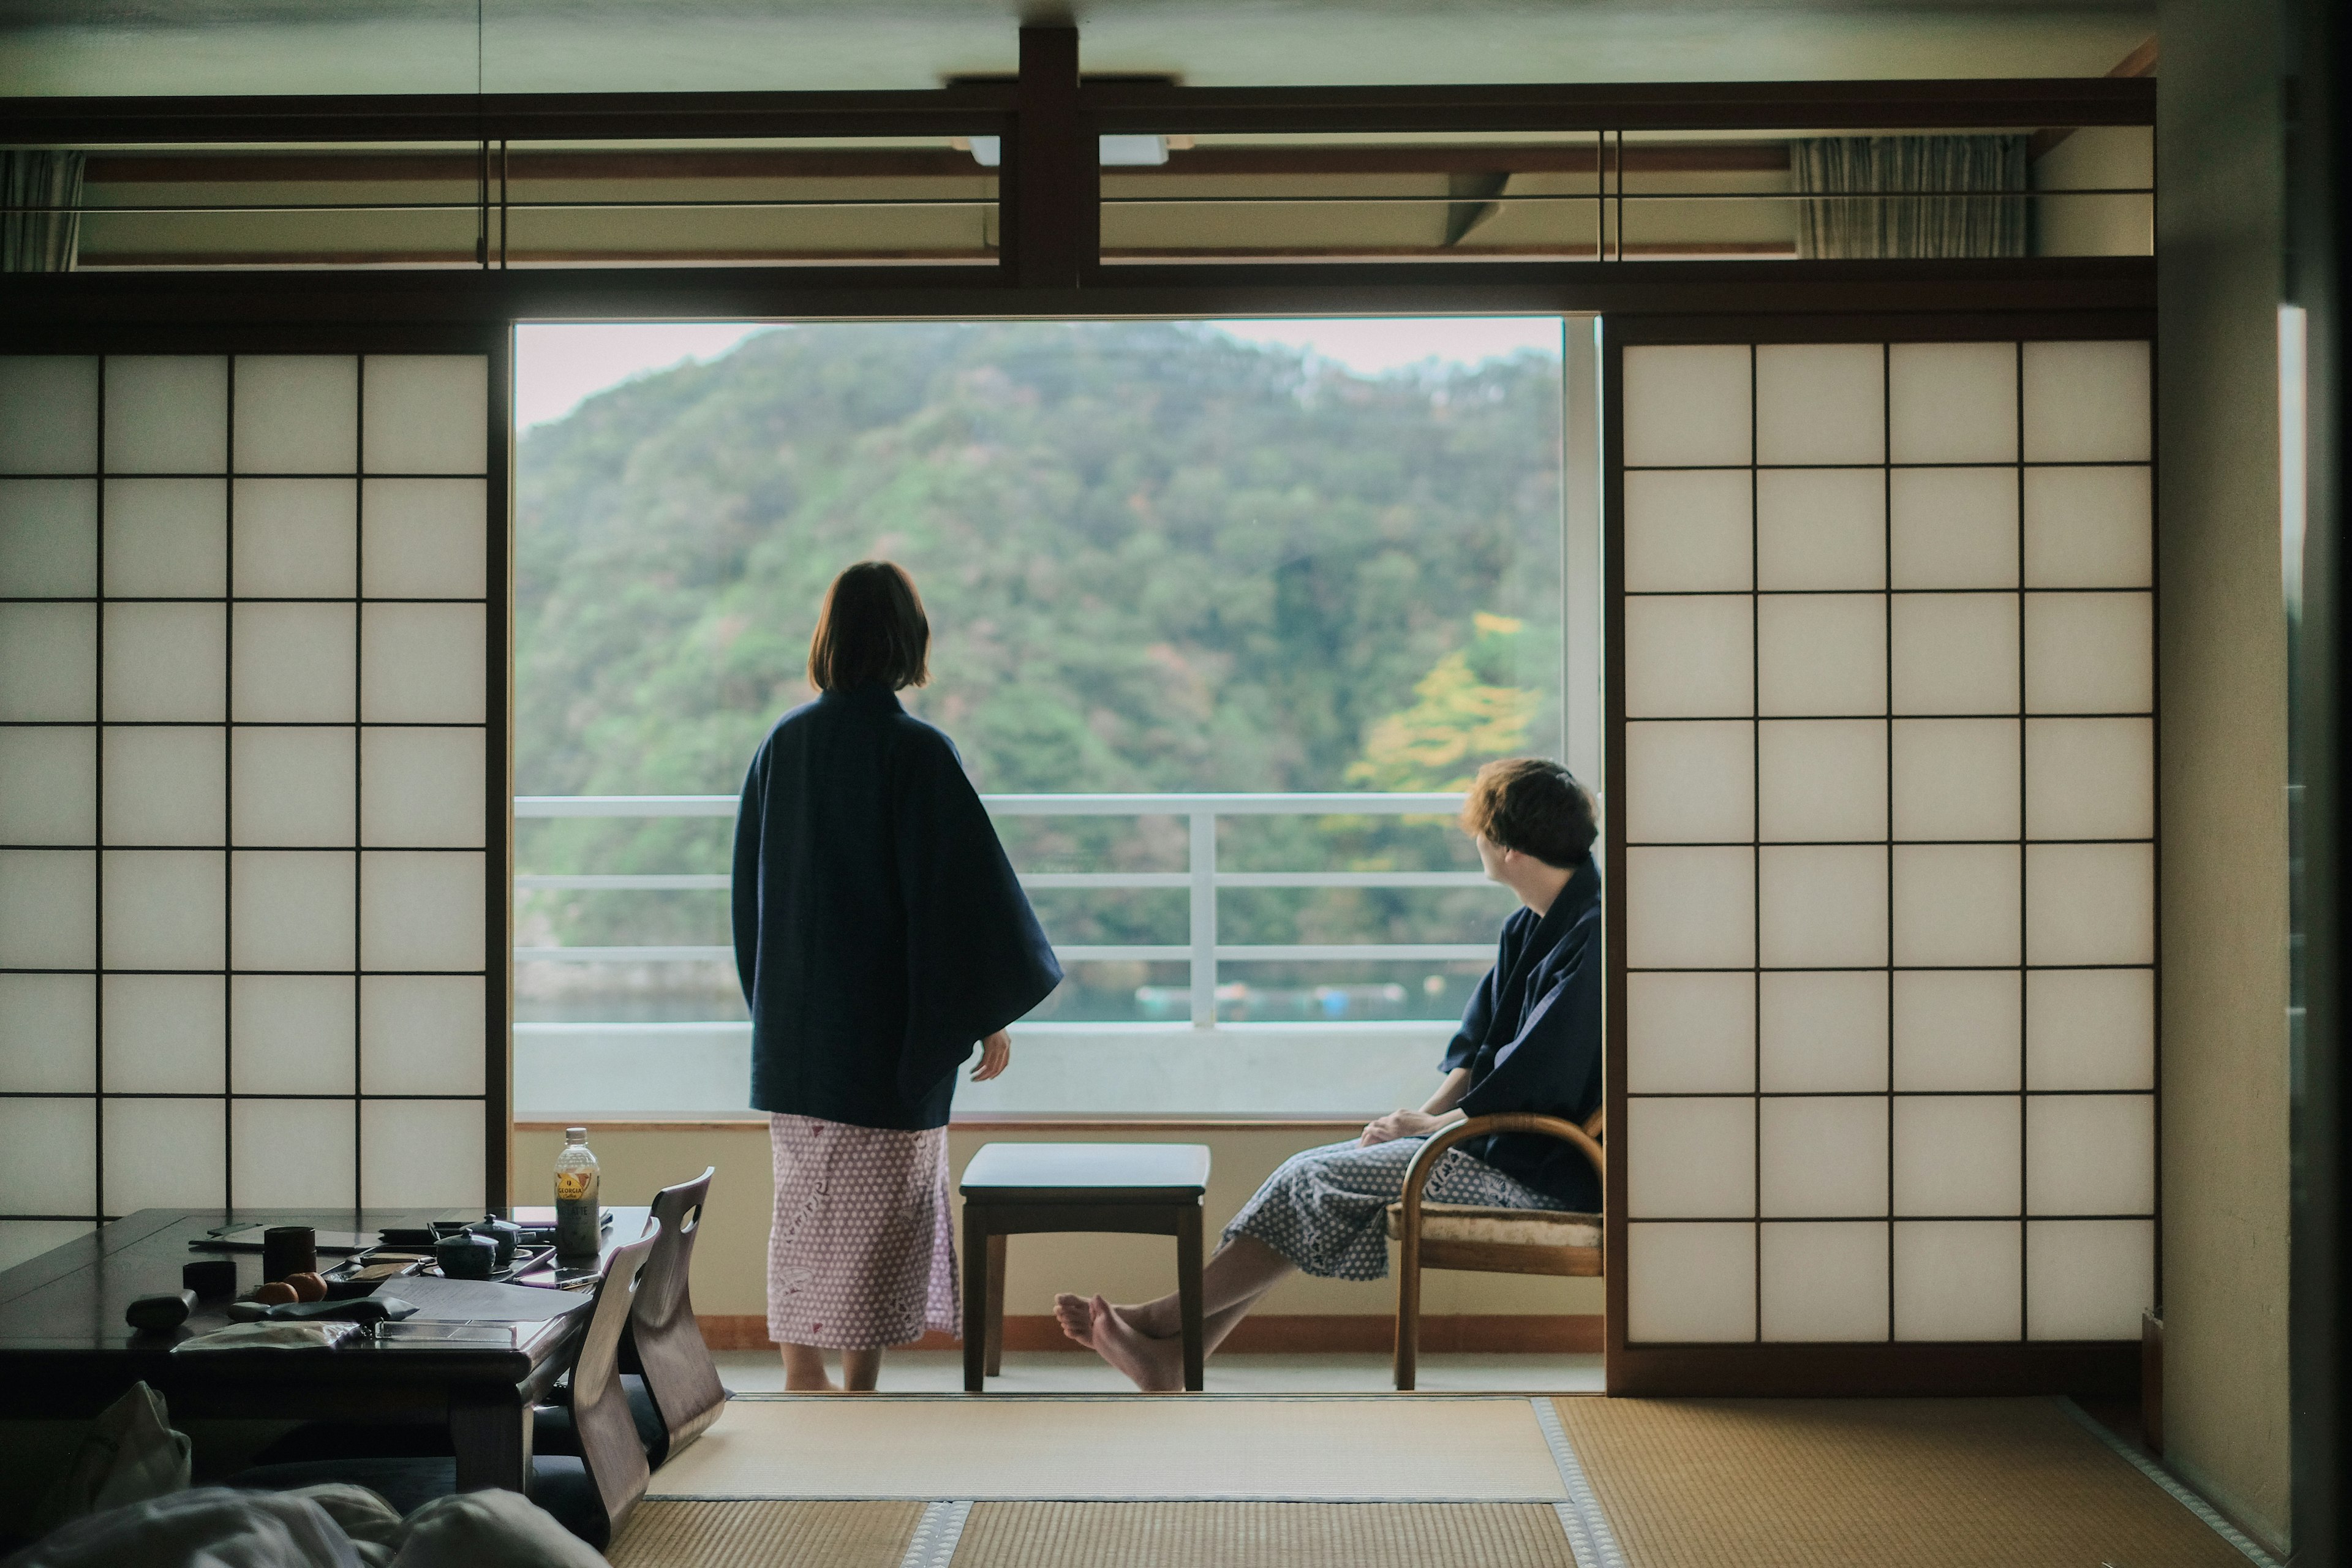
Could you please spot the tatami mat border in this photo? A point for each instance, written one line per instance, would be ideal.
(1589, 1538)
(2207, 1514)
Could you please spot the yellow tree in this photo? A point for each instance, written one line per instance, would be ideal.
(1459, 721)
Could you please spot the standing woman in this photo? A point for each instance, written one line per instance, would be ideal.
(880, 932)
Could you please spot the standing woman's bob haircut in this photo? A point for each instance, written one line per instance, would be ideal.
(871, 632)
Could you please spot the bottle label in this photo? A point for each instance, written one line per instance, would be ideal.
(574, 1184)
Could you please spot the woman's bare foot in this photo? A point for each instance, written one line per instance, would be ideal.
(1153, 1365)
(1077, 1317)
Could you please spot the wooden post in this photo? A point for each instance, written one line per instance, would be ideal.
(1051, 172)
(996, 1304)
(1188, 1297)
(976, 1252)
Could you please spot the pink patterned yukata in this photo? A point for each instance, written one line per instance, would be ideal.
(861, 1252)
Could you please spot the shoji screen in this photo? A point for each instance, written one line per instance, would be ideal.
(248, 788)
(1886, 823)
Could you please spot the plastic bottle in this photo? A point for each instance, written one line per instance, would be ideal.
(579, 1230)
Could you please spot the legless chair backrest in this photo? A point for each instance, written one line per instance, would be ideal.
(664, 1342)
(600, 1407)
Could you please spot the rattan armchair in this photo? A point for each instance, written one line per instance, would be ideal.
(1483, 1240)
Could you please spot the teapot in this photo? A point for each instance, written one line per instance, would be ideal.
(505, 1234)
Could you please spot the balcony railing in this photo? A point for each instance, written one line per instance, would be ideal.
(1200, 877)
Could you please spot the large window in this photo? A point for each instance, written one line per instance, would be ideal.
(1188, 583)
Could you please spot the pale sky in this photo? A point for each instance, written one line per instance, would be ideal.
(557, 365)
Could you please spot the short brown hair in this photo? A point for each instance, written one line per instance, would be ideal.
(871, 632)
(1534, 805)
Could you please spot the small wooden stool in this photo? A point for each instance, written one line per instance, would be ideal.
(1027, 1189)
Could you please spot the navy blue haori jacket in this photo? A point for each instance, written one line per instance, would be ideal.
(879, 930)
(1531, 1039)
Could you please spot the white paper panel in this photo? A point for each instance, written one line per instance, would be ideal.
(426, 414)
(48, 537)
(166, 1153)
(1822, 1031)
(422, 664)
(294, 1154)
(1690, 1033)
(2090, 1153)
(1953, 528)
(164, 908)
(294, 663)
(1952, 403)
(1690, 1158)
(1955, 1029)
(1822, 907)
(293, 787)
(1820, 528)
(1822, 779)
(2088, 528)
(1687, 406)
(421, 1033)
(2090, 778)
(1824, 1281)
(1688, 657)
(2087, 403)
(297, 538)
(1690, 783)
(22, 1240)
(2088, 653)
(1822, 1158)
(166, 662)
(1688, 531)
(1956, 778)
(424, 788)
(1956, 1280)
(165, 1034)
(166, 414)
(49, 908)
(1957, 1155)
(2089, 904)
(421, 911)
(2088, 1279)
(48, 785)
(422, 1153)
(1690, 909)
(1956, 904)
(1821, 403)
(48, 1033)
(167, 538)
(292, 908)
(48, 1155)
(48, 662)
(1690, 1284)
(1821, 654)
(1955, 653)
(2090, 1029)
(297, 414)
(168, 784)
(424, 539)
(293, 1034)
(48, 414)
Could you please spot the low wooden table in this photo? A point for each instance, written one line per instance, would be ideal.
(1027, 1189)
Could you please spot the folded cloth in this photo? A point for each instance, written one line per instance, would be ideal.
(270, 1337)
(358, 1310)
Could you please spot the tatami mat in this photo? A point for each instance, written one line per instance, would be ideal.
(766, 1535)
(1853, 1483)
(1379, 1449)
(1262, 1535)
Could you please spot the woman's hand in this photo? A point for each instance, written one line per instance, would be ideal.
(1403, 1124)
(995, 1054)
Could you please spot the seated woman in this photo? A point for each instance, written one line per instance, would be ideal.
(1529, 1041)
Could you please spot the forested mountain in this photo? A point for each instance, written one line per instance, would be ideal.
(1155, 558)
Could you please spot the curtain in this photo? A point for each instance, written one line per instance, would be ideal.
(1945, 220)
(40, 217)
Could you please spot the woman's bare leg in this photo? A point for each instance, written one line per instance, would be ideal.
(1145, 1341)
(804, 1369)
(859, 1369)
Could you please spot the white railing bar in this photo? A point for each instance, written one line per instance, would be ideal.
(1332, 802)
(642, 882)
(1169, 953)
(718, 882)
(1203, 866)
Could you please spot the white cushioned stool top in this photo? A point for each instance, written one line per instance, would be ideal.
(1515, 1228)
